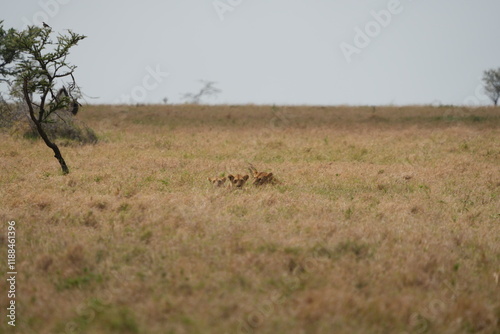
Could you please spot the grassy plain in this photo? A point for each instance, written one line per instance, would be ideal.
(386, 220)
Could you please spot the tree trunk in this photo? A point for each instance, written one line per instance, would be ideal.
(41, 132)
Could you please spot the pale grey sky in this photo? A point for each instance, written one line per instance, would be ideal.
(277, 51)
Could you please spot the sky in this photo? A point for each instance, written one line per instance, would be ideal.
(296, 52)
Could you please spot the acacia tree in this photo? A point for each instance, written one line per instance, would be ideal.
(491, 79)
(41, 65)
(207, 90)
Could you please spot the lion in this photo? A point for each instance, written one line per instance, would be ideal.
(217, 181)
(261, 178)
(238, 180)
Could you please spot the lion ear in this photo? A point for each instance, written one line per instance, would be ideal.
(230, 177)
(245, 177)
(223, 179)
(209, 179)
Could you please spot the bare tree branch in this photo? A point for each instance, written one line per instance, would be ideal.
(207, 90)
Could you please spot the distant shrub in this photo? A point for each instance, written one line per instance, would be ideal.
(60, 125)
(8, 115)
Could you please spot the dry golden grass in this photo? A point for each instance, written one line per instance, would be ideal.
(385, 220)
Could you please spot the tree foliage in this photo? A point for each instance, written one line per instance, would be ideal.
(44, 64)
(8, 52)
(491, 79)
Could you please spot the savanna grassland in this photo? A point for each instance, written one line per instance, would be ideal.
(385, 220)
